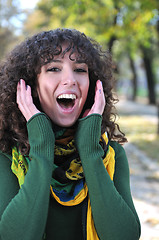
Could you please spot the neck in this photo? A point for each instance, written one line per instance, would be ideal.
(61, 132)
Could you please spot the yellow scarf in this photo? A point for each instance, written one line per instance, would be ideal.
(20, 166)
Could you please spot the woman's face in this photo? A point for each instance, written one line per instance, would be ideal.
(62, 89)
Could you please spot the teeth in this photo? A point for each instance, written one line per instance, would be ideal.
(67, 96)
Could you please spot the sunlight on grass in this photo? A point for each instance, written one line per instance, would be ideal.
(142, 133)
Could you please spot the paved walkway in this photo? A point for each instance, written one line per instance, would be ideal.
(144, 175)
(132, 108)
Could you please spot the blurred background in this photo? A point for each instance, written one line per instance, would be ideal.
(130, 31)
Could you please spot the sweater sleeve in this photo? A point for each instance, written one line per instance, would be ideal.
(112, 206)
(23, 212)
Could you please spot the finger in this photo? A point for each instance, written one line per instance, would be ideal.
(25, 96)
(99, 101)
(29, 98)
(19, 96)
(99, 93)
(18, 93)
(99, 89)
(23, 90)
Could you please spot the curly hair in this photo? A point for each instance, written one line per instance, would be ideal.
(26, 60)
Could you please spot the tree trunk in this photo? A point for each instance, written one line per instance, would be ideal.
(111, 42)
(114, 37)
(147, 58)
(157, 27)
(134, 78)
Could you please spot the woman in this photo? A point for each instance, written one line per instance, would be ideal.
(63, 171)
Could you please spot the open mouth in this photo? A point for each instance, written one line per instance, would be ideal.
(66, 101)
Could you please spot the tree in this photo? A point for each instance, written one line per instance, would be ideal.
(148, 58)
(8, 12)
(130, 22)
(143, 37)
(134, 77)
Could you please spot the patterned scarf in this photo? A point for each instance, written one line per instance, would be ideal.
(68, 185)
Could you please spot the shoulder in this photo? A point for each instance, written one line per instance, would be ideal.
(6, 174)
(9, 186)
(121, 160)
(5, 161)
(118, 148)
(5, 156)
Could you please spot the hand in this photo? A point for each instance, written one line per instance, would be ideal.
(99, 101)
(25, 100)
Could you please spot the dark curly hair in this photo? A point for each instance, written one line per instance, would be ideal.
(26, 60)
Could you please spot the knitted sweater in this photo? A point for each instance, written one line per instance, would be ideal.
(26, 213)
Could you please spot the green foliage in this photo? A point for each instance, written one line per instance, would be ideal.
(8, 13)
(120, 26)
(129, 21)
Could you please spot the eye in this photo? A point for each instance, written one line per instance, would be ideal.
(53, 69)
(82, 70)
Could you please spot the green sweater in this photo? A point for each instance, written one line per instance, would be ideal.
(26, 213)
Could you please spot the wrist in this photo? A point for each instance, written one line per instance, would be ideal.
(39, 114)
(40, 134)
(93, 115)
(39, 126)
(88, 131)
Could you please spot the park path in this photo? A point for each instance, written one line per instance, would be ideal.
(144, 175)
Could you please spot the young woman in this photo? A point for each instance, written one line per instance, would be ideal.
(63, 171)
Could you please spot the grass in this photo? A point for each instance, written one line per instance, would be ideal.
(141, 132)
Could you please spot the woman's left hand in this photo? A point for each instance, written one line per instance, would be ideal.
(99, 101)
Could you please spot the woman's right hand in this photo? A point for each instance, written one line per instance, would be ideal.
(99, 101)
(25, 100)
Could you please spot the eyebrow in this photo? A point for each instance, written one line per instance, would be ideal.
(77, 61)
(56, 60)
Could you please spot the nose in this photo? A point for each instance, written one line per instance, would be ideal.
(69, 77)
